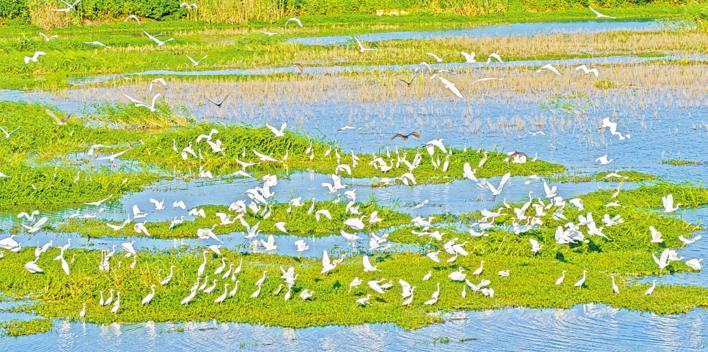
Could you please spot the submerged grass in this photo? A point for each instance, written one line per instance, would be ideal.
(26, 327)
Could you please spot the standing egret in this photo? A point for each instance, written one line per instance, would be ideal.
(223, 296)
(651, 288)
(201, 268)
(434, 298)
(148, 298)
(561, 278)
(581, 282)
(116, 304)
(168, 278)
(82, 313)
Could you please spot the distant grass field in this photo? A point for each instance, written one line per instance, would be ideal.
(245, 46)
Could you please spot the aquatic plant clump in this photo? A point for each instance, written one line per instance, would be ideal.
(25, 327)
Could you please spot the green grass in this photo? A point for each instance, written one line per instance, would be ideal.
(298, 222)
(53, 188)
(531, 284)
(625, 255)
(627, 176)
(244, 46)
(26, 327)
(148, 138)
(679, 162)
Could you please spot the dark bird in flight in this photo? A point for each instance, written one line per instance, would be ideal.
(409, 82)
(57, 120)
(406, 136)
(220, 102)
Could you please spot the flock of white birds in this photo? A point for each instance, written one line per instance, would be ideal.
(259, 201)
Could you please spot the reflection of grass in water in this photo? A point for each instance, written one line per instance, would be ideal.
(26, 327)
(298, 222)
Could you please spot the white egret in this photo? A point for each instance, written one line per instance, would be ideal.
(651, 288)
(157, 41)
(367, 264)
(598, 14)
(581, 282)
(561, 278)
(148, 298)
(668, 203)
(194, 61)
(294, 20)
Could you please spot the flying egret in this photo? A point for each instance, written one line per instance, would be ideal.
(451, 86)
(469, 57)
(34, 57)
(69, 6)
(437, 58)
(361, 46)
(194, 61)
(668, 203)
(157, 41)
(278, 132)
(587, 70)
(494, 56)
(598, 14)
(549, 67)
(294, 20)
(604, 160)
(48, 37)
(139, 103)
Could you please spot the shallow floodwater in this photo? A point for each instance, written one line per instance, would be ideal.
(659, 130)
(322, 70)
(581, 328)
(499, 30)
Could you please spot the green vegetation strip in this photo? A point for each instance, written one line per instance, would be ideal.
(26, 327)
(246, 46)
(298, 222)
(624, 255)
(678, 162)
(624, 176)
